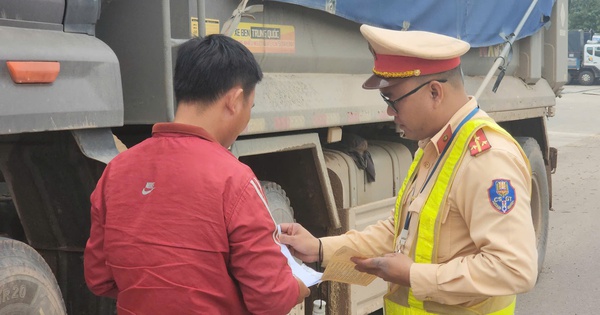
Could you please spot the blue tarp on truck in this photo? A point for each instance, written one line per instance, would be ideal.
(479, 22)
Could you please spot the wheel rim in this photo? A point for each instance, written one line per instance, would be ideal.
(586, 77)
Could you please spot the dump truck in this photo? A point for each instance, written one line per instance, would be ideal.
(80, 78)
(583, 57)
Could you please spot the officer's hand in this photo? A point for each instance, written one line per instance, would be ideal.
(393, 268)
(302, 244)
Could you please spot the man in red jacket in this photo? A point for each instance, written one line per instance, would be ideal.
(179, 225)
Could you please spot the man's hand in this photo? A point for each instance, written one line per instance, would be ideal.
(302, 244)
(303, 292)
(393, 268)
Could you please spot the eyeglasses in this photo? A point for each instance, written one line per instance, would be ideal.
(392, 104)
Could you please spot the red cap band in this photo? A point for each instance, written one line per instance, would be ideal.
(393, 66)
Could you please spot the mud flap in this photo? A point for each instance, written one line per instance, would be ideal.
(98, 144)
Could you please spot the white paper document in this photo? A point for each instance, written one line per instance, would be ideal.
(303, 272)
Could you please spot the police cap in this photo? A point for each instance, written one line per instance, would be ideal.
(405, 54)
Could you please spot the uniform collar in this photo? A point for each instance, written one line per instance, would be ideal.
(440, 139)
(184, 129)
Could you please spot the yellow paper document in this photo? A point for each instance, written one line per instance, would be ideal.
(341, 269)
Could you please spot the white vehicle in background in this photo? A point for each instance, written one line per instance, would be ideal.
(584, 57)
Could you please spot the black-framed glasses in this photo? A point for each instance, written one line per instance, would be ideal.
(392, 104)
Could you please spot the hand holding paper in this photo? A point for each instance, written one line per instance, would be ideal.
(301, 271)
(393, 267)
(341, 268)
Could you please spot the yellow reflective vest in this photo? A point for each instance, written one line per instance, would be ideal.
(402, 301)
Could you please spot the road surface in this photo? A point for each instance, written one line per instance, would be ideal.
(570, 280)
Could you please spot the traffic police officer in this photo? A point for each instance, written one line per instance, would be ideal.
(461, 239)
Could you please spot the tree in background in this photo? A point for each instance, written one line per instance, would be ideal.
(584, 14)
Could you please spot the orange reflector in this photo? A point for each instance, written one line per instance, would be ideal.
(33, 71)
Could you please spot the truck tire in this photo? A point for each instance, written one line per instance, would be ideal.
(540, 195)
(586, 77)
(279, 203)
(27, 285)
(282, 212)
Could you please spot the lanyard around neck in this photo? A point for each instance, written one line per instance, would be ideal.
(437, 163)
(404, 233)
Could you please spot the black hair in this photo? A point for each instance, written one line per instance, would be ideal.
(208, 67)
(455, 77)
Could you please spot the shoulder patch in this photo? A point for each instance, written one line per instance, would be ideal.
(502, 195)
(479, 143)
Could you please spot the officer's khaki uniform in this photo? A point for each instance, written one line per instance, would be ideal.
(482, 251)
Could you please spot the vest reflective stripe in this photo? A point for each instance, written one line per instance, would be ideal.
(429, 225)
(396, 309)
(391, 308)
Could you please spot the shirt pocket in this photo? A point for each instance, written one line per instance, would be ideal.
(447, 231)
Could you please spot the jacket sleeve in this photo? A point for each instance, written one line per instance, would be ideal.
(506, 259)
(256, 261)
(375, 240)
(98, 275)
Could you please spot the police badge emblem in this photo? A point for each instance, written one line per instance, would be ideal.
(502, 195)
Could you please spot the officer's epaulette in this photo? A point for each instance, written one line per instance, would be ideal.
(479, 143)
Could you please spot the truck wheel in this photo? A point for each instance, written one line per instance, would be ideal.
(540, 195)
(27, 285)
(279, 204)
(282, 212)
(586, 77)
